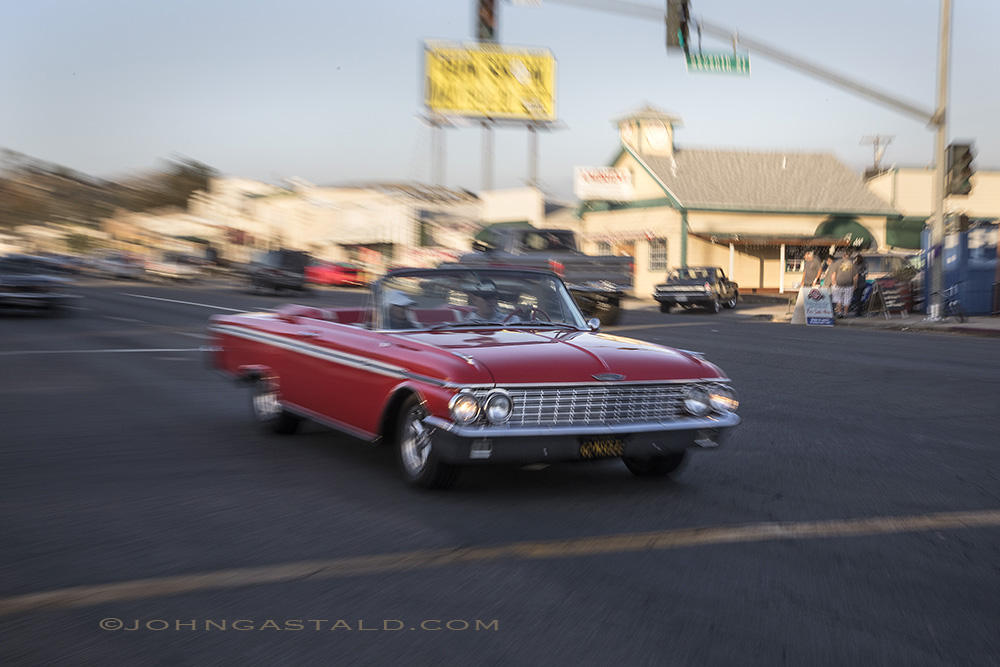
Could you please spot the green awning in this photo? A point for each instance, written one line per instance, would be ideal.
(847, 228)
(904, 232)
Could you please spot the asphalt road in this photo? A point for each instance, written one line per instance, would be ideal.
(825, 533)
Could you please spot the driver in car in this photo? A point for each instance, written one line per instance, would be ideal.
(485, 299)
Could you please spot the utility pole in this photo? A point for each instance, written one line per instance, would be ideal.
(486, 32)
(879, 143)
(940, 121)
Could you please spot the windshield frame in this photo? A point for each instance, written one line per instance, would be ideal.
(570, 308)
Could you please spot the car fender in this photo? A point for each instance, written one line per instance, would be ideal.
(390, 410)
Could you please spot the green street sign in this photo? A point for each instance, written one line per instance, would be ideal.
(721, 62)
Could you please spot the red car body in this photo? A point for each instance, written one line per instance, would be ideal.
(569, 388)
(331, 273)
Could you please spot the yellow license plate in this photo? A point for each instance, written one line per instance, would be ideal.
(599, 448)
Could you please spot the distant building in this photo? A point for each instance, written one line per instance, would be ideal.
(751, 212)
(377, 224)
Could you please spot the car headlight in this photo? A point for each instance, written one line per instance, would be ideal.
(723, 399)
(696, 402)
(498, 406)
(464, 407)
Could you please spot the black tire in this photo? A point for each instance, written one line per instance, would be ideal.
(418, 460)
(714, 306)
(267, 410)
(731, 303)
(664, 307)
(660, 466)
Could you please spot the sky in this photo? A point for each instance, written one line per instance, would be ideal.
(331, 91)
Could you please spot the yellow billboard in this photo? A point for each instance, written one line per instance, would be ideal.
(490, 81)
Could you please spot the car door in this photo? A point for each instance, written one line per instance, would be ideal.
(342, 374)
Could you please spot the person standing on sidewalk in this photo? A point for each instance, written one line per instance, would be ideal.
(843, 279)
(811, 269)
(861, 269)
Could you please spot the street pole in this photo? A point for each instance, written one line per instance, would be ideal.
(532, 156)
(940, 120)
(487, 155)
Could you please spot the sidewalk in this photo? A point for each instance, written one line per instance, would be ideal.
(975, 326)
(776, 309)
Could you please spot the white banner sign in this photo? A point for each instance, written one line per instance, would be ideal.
(602, 183)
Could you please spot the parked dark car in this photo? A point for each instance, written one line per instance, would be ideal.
(279, 270)
(701, 286)
(28, 282)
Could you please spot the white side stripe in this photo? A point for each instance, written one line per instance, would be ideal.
(311, 350)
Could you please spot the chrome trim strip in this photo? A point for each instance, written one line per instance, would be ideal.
(329, 422)
(310, 349)
(320, 352)
(687, 424)
(506, 385)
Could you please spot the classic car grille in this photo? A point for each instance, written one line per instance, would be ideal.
(595, 404)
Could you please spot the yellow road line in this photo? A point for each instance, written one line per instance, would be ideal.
(139, 589)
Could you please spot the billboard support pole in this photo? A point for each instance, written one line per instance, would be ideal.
(487, 155)
(532, 155)
(438, 154)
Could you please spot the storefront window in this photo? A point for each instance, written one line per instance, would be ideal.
(657, 254)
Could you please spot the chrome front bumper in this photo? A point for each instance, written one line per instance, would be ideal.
(500, 444)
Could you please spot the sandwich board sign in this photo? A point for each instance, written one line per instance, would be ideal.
(818, 306)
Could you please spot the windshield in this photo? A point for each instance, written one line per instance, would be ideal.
(443, 299)
(690, 274)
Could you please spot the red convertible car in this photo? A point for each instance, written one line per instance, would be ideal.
(460, 366)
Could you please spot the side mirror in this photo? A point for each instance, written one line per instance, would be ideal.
(480, 246)
(593, 324)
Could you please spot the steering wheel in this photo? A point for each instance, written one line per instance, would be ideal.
(528, 313)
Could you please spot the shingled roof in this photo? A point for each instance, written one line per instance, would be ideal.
(764, 181)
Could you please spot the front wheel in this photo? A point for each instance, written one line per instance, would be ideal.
(268, 411)
(664, 307)
(418, 460)
(660, 466)
(731, 303)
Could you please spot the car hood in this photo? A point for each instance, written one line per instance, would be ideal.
(538, 356)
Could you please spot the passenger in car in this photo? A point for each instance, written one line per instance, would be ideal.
(400, 314)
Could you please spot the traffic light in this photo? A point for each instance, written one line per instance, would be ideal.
(678, 15)
(959, 169)
(486, 21)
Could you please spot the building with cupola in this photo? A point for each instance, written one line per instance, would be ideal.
(753, 213)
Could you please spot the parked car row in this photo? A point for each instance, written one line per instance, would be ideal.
(35, 283)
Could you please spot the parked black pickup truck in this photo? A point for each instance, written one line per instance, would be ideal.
(704, 286)
(597, 283)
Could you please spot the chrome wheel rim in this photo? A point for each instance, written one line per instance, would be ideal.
(415, 446)
(265, 404)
